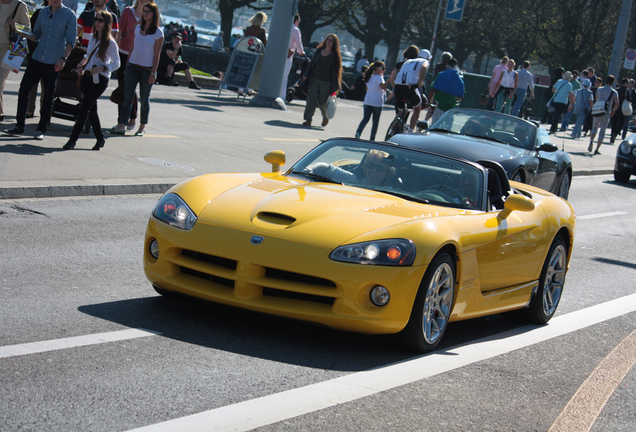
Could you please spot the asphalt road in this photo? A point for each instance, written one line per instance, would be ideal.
(73, 295)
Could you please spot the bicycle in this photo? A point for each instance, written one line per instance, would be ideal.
(400, 121)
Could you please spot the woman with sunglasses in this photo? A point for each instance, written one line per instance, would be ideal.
(141, 68)
(374, 98)
(94, 70)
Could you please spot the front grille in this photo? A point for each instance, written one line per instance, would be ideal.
(272, 292)
(216, 279)
(210, 259)
(298, 277)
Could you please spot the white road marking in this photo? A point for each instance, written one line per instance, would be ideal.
(602, 215)
(247, 415)
(72, 342)
(581, 412)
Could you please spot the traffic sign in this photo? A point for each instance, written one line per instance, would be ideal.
(630, 59)
(455, 10)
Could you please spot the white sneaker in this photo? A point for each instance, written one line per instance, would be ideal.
(407, 130)
(39, 136)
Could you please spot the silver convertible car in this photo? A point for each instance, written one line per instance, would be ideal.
(522, 147)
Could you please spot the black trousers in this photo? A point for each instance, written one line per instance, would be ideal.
(88, 109)
(34, 72)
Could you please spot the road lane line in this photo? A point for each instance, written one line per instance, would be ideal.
(581, 412)
(602, 215)
(251, 414)
(72, 342)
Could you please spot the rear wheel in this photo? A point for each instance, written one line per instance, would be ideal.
(517, 176)
(621, 177)
(396, 127)
(546, 300)
(432, 307)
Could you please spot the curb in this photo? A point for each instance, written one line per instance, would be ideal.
(142, 188)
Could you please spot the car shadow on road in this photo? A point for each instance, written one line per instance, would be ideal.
(278, 339)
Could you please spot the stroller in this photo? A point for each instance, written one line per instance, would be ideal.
(299, 89)
(67, 96)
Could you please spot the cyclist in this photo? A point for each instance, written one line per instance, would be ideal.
(408, 80)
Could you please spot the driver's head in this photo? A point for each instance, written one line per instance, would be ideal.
(521, 133)
(377, 165)
(471, 127)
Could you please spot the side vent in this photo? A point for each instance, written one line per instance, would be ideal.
(275, 218)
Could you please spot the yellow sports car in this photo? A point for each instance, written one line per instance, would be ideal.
(366, 237)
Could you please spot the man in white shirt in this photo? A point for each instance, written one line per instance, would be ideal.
(295, 46)
(217, 44)
(523, 84)
(362, 62)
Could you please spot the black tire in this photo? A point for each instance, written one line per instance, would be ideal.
(396, 127)
(162, 291)
(518, 176)
(564, 187)
(621, 177)
(432, 307)
(546, 300)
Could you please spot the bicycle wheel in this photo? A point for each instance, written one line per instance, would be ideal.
(396, 127)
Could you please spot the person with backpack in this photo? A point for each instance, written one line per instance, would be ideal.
(561, 92)
(605, 105)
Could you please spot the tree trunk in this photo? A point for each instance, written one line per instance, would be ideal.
(227, 17)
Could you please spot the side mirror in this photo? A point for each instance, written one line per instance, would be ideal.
(518, 203)
(548, 147)
(276, 158)
(422, 125)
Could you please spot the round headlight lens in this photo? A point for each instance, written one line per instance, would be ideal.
(372, 251)
(154, 249)
(380, 295)
(626, 148)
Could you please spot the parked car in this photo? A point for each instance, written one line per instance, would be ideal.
(367, 237)
(521, 146)
(625, 164)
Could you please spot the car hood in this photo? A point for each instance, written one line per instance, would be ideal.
(461, 146)
(316, 213)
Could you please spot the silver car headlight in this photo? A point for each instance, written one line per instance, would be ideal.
(625, 148)
(389, 252)
(172, 210)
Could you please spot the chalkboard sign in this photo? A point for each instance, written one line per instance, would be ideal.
(240, 69)
(246, 58)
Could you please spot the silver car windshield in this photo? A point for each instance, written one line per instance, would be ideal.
(488, 125)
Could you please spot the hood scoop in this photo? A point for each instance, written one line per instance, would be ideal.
(273, 220)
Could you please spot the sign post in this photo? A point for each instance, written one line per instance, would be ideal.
(244, 69)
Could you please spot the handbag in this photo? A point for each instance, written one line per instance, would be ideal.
(331, 106)
(626, 108)
(599, 108)
(117, 96)
(550, 105)
(483, 99)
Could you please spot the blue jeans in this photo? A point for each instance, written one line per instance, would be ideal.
(135, 75)
(521, 95)
(580, 119)
(567, 115)
(502, 96)
(368, 111)
(34, 72)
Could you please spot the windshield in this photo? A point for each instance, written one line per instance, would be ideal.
(406, 173)
(488, 125)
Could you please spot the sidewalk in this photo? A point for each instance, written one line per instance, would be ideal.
(190, 133)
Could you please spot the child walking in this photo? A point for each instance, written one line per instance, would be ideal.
(374, 98)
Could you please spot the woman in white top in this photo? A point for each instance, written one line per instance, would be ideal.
(127, 23)
(508, 80)
(94, 69)
(141, 69)
(374, 99)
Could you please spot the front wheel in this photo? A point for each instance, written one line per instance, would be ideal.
(621, 177)
(564, 188)
(396, 127)
(432, 307)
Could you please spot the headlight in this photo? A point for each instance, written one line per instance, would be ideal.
(391, 252)
(625, 147)
(172, 210)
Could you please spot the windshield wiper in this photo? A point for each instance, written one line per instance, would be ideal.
(402, 195)
(442, 130)
(318, 177)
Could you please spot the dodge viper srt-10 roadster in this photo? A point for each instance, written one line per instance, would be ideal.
(366, 237)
